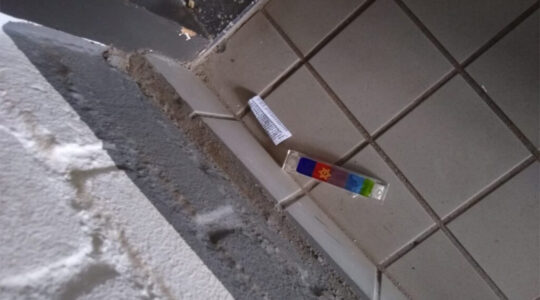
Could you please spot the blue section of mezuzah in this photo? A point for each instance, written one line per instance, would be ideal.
(354, 183)
(305, 166)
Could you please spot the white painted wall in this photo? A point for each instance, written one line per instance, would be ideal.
(71, 223)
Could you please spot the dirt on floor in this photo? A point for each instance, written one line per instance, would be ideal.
(329, 284)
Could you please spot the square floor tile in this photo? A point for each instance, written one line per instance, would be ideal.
(318, 127)
(452, 146)
(306, 22)
(389, 291)
(510, 75)
(250, 60)
(378, 228)
(463, 26)
(436, 270)
(379, 64)
(502, 233)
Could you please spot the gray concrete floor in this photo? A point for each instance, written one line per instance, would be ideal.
(439, 99)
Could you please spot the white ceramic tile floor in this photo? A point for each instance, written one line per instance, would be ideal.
(449, 148)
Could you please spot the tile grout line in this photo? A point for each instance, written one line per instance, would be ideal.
(397, 285)
(283, 35)
(504, 178)
(352, 152)
(489, 189)
(345, 232)
(415, 103)
(370, 140)
(401, 176)
(285, 203)
(447, 77)
(338, 29)
(242, 112)
(457, 212)
(369, 257)
(392, 165)
(286, 74)
(392, 258)
(426, 94)
(423, 202)
(481, 272)
(298, 64)
(377, 285)
(304, 60)
(323, 42)
(469, 79)
(403, 179)
(501, 34)
(495, 109)
(501, 114)
(431, 90)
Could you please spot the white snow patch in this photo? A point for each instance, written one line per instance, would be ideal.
(65, 267)
(122, 237)
(74, 156)
(42, 143)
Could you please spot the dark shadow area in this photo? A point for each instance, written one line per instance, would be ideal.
(111, 22)
(216, 15)
(251, 260)
(207, 17)
(175, 11)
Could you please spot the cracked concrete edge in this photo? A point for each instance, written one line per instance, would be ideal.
(257, 173)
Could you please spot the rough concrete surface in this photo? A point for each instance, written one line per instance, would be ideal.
(254, 254)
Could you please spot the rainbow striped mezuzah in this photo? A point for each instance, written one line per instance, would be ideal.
(355, 183)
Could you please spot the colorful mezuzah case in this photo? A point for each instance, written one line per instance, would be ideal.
(357, 184)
